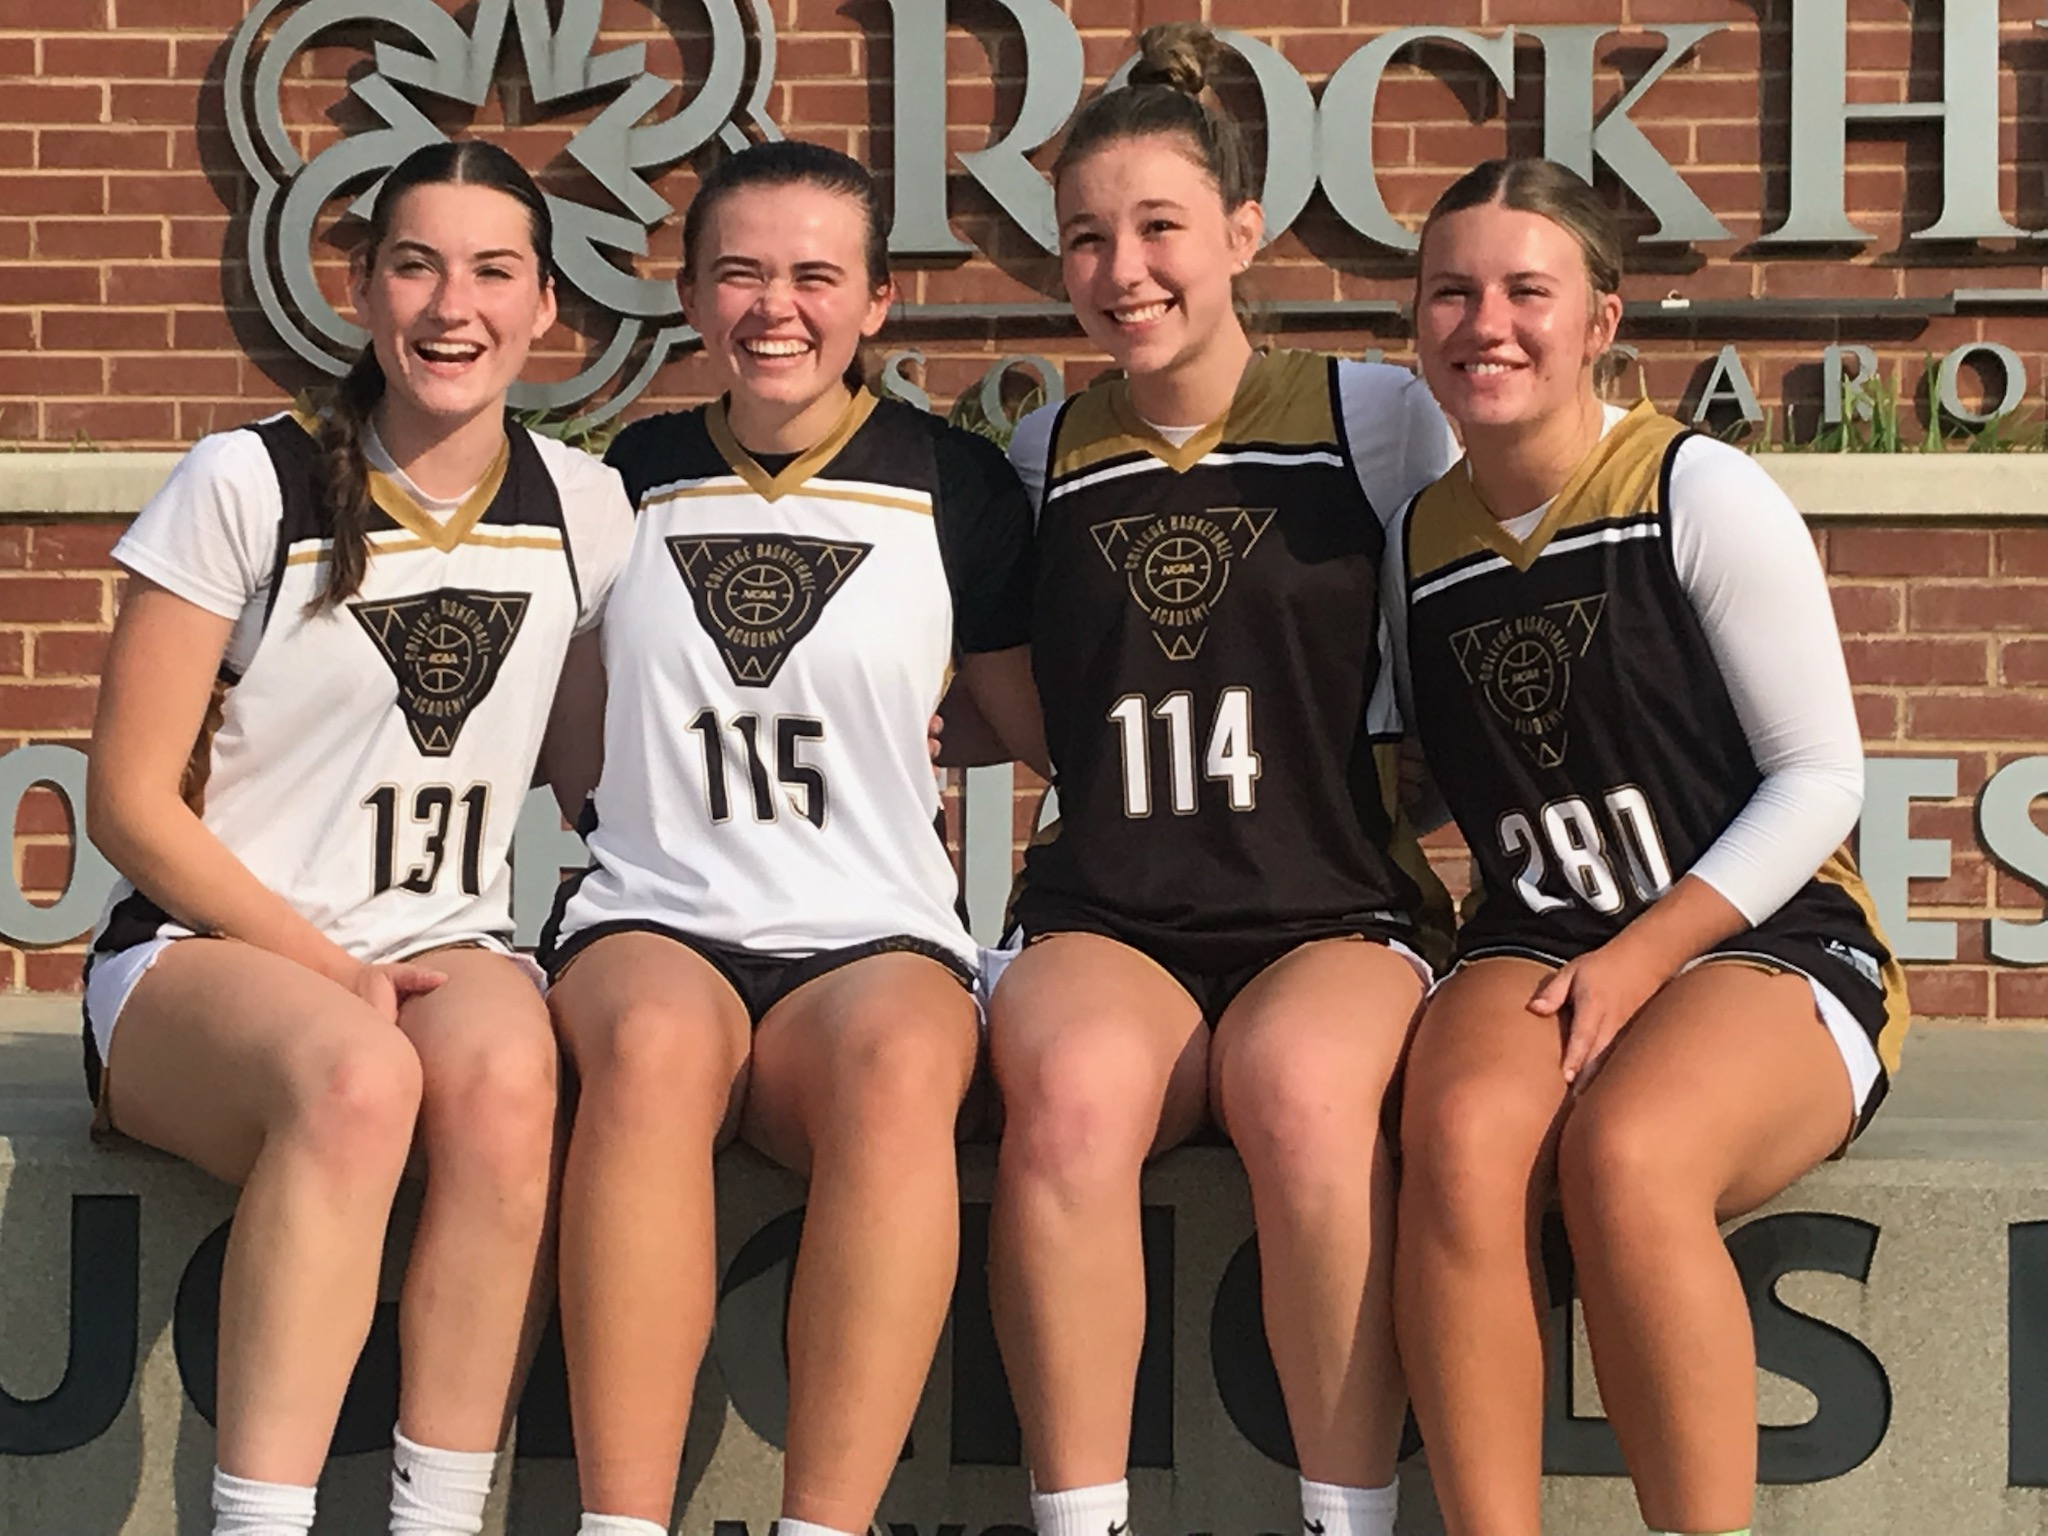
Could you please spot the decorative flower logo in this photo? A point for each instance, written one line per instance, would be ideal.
(565, 71)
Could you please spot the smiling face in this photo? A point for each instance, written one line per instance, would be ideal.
(1507, 323)
(453, 299)
(779, 289)
(1148, 252)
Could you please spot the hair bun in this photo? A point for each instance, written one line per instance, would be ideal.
(1180, 55)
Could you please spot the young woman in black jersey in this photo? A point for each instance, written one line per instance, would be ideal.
(766, 938)
(1221, 930)
(1673, 999)
(321, 710)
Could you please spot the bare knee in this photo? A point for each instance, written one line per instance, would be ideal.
(1078, 1116)
(1471, 1152)
(489, 1111)
(1620, 1167)
(1298, 1117)
(352, 1107)
(888, 1081)
(654, 1069)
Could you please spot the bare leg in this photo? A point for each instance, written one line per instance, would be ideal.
(1300, 1065)
(272, 1077)
(857, 1079)
(1723, 1090)
(486, 1133)
(1101, 1058)
(1480, 1110)
(659, 1044)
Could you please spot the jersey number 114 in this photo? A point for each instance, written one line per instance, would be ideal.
(1228, 758)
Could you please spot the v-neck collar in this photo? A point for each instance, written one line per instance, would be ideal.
(1482, 525)
(1181, 457)
(799, 469)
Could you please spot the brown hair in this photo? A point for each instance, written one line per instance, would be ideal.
(345, 498)
(1556, 193)
(789, 162)
(1176, 62)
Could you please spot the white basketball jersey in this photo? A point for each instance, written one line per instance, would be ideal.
(774, 650)
(367, 762)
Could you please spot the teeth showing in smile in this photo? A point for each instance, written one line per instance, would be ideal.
(1140, 314)
(1488, 368)
(762, 346)
(448, 351)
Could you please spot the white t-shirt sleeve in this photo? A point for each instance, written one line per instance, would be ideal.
(1029, 445)
(598, 520)
(210, 535)
(1399, 439)
(1747, 562)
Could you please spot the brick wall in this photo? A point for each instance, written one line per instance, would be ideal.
(127, 317)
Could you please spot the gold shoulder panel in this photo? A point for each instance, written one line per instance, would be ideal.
(1618, 478)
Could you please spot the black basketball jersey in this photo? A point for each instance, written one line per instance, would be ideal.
(1207, 645)
(1578, 725)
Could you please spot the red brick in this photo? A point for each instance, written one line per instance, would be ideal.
(13, 547)
(103, 149)
(50, 600)
(1855, 551)
(2023, 552)
(1867, 610)
(107, 58)
(179, 15)
(70, 652)
(100, 239)
(1913, 661)
(57, 376)
(13, 652)
(104, 330)
(2022, 994)
(1990, 717)
(172, 103)
(165, 283)
(72, 546)
(190, 196)
(45, 101)
(1968, 884)
(41, 814)
(1949, 991)
(64, 192)
(42, 283)
(17, 148)
(2017, 897)
(150, 423)
(1977, 607)
(47, 707)
(17, 332)
(46, 869)
(1877, 715)
(2024, 662)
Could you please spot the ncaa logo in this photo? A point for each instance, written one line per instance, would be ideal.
(425, 60)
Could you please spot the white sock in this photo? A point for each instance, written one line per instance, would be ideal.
(788, 1527)
(618, 1525)
(1103, 1510)
(244, 1507)
(436, 1492)
(1330, 1509)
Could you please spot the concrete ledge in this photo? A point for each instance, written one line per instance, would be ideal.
(1879, 487)
(1901, 1299)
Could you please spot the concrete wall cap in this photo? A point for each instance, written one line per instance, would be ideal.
(1887, 487)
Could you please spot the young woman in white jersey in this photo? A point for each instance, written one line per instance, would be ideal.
(323, 703)
(1221, 929)
(766, 938)
(1673, 1000)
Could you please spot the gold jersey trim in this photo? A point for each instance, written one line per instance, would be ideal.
(736, 487)
(1283, 398)
(1619, 476)
(806, 464)
(399, 504)
(404, 543)
(1841, 872)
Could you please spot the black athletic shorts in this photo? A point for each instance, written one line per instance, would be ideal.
(762, 980)
(1214, 989)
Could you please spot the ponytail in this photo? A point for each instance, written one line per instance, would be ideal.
(345, 474)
